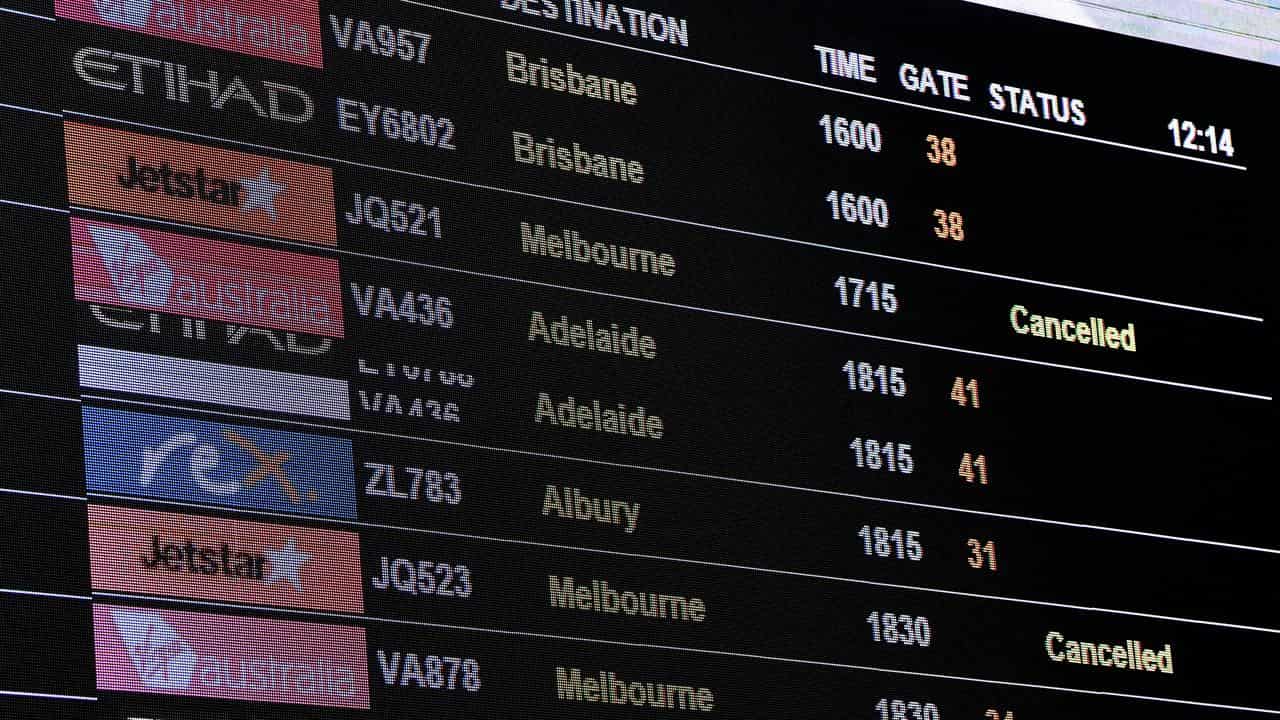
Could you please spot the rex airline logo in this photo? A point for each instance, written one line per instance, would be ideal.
(286, 30)
(170, 652)
(228, 560)
(199, 461)
(183, 275)
(173, 180)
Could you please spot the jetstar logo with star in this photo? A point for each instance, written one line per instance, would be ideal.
(224, 561)
(214, 559)
(172, 180)
(248, 194)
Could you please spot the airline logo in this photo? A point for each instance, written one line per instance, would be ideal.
(179, 181)
(286, 30)
(126, 371)
(229, 560)
(134, 74)
(205, 278)
(232, 658)
(149, 270)
(197, 461)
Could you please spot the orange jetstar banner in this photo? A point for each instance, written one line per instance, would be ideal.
(206, 558)
(172, 180)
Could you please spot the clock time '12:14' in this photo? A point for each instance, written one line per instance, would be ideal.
(1189, 136)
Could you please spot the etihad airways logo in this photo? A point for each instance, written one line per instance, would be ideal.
(209, 462)
(143, 175)
(146, 269)
(232, 658)
(287, 30)
(141, 75)
(140, 323)
(231, 560)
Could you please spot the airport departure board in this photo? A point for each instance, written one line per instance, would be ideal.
(497, 359)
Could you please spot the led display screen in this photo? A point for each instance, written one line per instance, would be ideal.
(577, 359)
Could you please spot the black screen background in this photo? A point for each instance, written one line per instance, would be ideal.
(757, 414)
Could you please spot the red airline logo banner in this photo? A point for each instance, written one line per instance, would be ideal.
(207, 558)
(286, 30)
(174, 180)
(170, 652)
(184, 275)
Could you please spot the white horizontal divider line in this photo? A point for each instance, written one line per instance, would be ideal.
(42, 396)
(36, 493)
(47, 696)
(40, 593)
(24, 108)
(33, 206)
(24, 13)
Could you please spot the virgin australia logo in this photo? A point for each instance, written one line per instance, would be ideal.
(134, 13)
(138, 274)
(161, 657)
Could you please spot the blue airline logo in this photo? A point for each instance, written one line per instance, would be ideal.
(209, 462)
